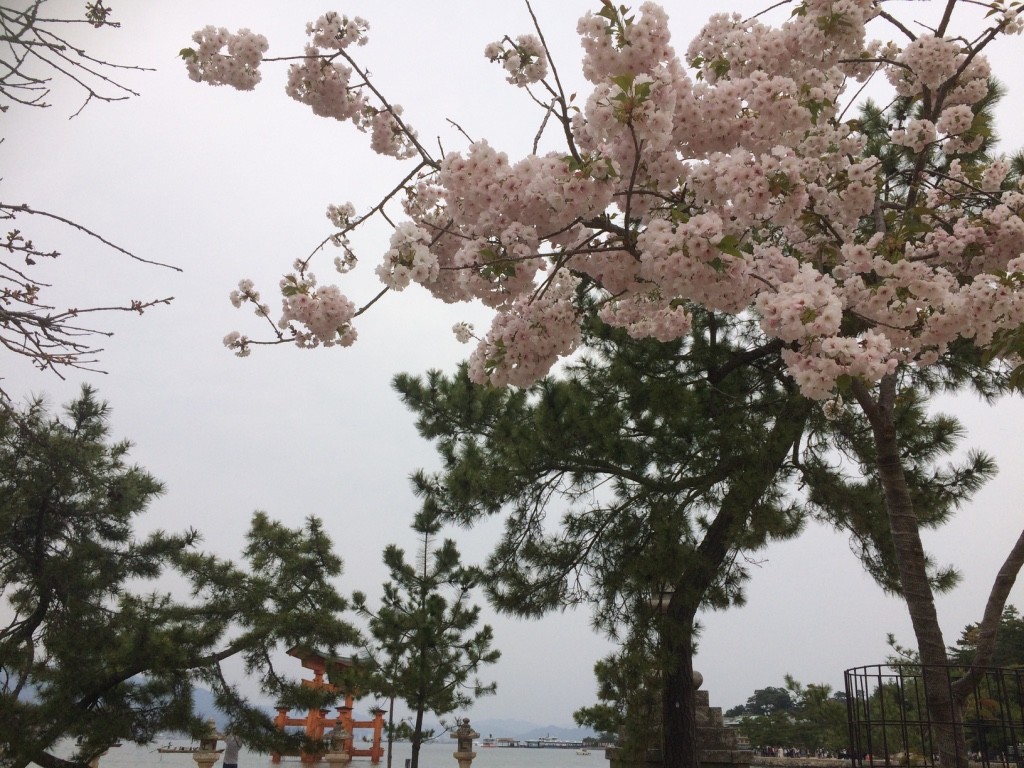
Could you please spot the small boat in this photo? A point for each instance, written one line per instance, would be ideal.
(182, 749)
(81, 740)
(583, 751)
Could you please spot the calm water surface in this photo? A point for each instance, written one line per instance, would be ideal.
(431, 756)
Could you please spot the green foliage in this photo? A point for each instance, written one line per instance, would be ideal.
(636, 450)
(1009, 648)
(635, 479)
(990, 708)
(765, 701)
(994, 710)
(85, 651)
(424, 647)
(629, 700)
(403, 730)
(809, 717)
(845, 490)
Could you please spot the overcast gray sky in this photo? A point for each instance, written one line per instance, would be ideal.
(229, 185)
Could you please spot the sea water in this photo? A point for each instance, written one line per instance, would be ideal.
(431, 756)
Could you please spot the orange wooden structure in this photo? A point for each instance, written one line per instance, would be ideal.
(316, 722)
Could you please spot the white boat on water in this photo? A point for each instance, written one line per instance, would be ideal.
(583, 751)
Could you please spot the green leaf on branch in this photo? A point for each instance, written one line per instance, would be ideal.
(720, 66)
(625, 82)
(730, 244)
(832, 23)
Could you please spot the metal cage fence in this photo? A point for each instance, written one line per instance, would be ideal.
(890, 724)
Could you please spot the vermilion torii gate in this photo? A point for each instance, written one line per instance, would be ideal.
(316, 722)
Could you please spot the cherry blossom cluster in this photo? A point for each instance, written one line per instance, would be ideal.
(222, 58)
(614, 45)
(409, 259)
(343, 217)
(316, 316)
(735, 178)
(247, 293)
(526, 341)
(523, 58)
(332, 30)
(238, 343)
(326, 87)
(388, 136)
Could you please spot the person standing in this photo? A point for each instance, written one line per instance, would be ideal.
(231, 746)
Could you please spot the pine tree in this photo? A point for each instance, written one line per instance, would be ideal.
(425, 649)
(667, 462)
(1009, 647)
(85, 651)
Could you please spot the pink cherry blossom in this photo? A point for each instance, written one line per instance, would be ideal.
(733, 179)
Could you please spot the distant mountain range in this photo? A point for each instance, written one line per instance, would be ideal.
(202, 700)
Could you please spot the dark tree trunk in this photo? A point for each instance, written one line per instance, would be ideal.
(391, 727)
(678, 701)
(943, 711)
(417, 738)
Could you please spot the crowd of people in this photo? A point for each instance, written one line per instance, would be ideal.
(770, 751)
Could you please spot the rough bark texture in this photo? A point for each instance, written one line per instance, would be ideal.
(679, 705)
(910, 560)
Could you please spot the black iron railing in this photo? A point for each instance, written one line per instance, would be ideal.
(890, 724)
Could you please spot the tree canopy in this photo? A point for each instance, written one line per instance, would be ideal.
(634, 484)
(1009, 645)
(426, 647)
(91, 646)
(807, 717)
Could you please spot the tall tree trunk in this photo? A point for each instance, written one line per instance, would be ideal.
(680, 747)
(678, 700)
(417, 738)
(943, 711)
(391, 727)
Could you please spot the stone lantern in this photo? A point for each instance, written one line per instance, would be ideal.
(207, 753)
(336, 756)
(464, 736)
